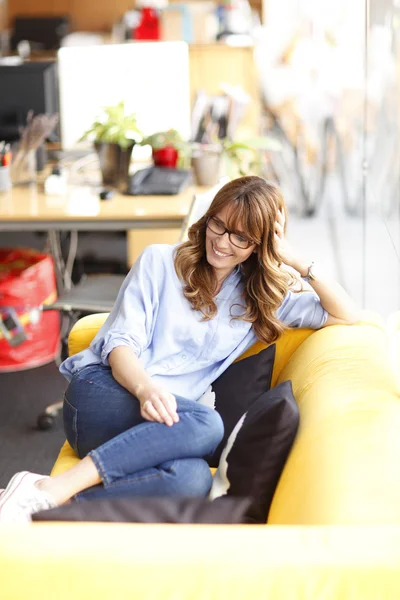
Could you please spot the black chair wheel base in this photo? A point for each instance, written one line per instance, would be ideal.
(45, 421)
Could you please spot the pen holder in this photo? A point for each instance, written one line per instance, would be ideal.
(5, 179)
(23, 168)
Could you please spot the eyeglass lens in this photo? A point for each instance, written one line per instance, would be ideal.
(235, 238)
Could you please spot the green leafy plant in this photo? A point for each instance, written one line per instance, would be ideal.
(170, 137)
(113, 126)
(245, 157)
(161, 139)
(239, 158)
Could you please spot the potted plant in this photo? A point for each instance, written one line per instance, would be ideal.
(228, 157)
(114, 134)
(244, 157)
(168, 147)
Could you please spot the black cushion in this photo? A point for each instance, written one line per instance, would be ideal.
(237, 389)
(223, 510)
(255, 454)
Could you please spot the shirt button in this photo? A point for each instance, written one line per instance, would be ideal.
(183, 356)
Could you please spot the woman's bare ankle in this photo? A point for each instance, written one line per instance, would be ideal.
(66, 485)
(47, 485)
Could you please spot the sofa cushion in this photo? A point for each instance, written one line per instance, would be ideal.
(236, 389)
(255, 454)
(223, 510)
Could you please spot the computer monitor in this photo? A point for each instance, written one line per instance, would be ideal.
(152, 78)
(25, 87)
(43, 32)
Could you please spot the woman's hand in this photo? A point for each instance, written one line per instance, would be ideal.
(334, 299)
(284, 249)
(156, 404)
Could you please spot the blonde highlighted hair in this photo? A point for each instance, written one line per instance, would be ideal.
(255, 204)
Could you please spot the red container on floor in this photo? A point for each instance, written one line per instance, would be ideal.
(28, 337)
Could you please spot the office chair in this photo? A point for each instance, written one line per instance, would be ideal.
(199, 207)
(97, 294)
(94, 294)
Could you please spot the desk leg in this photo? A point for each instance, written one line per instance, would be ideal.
(55, 251)
(63, 270)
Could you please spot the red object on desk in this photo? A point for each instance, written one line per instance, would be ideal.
(149, 25)
(165, 157)
(6, 159)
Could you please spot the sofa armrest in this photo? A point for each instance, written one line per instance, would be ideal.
(344, 465)
(83, 332)
(182, 562)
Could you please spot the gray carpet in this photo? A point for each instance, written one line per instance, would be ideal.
(23, 395)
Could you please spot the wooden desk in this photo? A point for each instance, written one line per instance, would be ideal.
(29, 209)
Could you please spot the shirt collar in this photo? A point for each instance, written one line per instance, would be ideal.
(233, 278)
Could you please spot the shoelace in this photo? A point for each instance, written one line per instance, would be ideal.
(29, 506)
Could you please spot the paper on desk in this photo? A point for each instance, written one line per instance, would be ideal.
(83, 201)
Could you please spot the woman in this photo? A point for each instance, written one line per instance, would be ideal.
(182, 316)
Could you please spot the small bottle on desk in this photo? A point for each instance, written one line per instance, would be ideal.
(56, 183)
(5, 162)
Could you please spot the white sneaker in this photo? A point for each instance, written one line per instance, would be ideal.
(22, 498)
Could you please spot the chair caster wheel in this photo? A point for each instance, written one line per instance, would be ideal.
(45, 421)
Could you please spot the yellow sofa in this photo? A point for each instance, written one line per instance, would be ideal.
(334, 524)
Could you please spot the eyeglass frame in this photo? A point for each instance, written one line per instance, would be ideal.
(229, 232)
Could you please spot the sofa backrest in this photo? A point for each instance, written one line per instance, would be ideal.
(86, 328)
(83, 332)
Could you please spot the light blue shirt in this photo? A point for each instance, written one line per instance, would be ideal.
(178, 349)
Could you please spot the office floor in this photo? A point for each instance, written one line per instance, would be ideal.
(330, 237)
(24, 395)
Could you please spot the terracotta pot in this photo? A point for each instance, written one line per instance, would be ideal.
(165, 157)
(207, 168)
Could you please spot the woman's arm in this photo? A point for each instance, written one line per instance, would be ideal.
(156, 404)
(340, 307)
(334, 299)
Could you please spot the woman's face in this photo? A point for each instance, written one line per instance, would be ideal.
(221, 254)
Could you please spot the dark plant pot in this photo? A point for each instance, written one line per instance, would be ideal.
(114, 164)
(165, 157)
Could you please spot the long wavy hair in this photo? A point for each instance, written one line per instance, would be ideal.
(255, 205)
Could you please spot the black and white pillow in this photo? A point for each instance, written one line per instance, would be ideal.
(253, 458)
(236, 390)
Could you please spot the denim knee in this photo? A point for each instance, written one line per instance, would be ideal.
(193, 477)
(70, 417)
(213, 425)
(201, 481)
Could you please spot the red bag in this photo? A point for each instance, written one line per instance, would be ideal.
(28, 337)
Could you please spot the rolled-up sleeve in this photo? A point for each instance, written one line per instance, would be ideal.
(131, 321)
(302, 309)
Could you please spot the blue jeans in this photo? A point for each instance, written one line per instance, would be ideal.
(135, 457)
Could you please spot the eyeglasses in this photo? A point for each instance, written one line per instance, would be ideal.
(235, 238)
